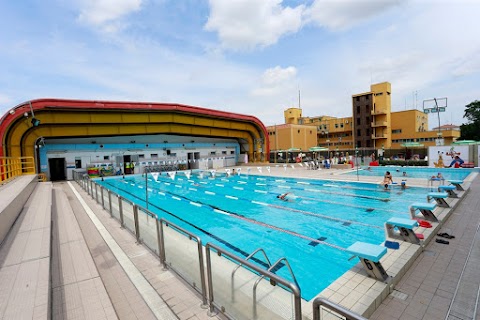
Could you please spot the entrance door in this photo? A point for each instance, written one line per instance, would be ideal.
(57, 169)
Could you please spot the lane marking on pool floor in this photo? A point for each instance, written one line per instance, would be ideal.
(148, 293)
(301, 211)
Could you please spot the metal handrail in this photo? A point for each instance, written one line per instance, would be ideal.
(163, 259)
(11, 167)
(263, 276)
(247, 258)
(293, 287)
(342, 311)
(160, 237)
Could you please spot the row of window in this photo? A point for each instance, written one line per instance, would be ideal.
(367, 120)
(412, 140)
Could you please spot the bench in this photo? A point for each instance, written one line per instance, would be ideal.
(457, 184)
(405, 229)
(426, 209)
(449, 189)
(468, 165)
(439, 198)
(369, 255)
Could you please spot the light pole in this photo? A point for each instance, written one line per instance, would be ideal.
(328, 144)
(356, 161)
(146, 189)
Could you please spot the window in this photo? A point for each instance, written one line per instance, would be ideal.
(397, 131)
(359, 132)
(379, 94)
(358, 98)
(212, 153)
(298, 131)
(341, 125)
(141, 156)
(367, 120)
(358, 121)
(106, 157)
(154, 155)
(232, 152)
(310, 131)
(368, 132)
(224, 152)
(358, 109)
(336, 125)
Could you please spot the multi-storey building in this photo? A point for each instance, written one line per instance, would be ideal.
(372, 126)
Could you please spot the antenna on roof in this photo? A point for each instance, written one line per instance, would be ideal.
(299, 99)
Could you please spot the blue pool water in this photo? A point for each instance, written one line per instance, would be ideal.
(243, 213)
(415, 172)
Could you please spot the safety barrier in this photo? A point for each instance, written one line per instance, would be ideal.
(182, 252)
(11, 167)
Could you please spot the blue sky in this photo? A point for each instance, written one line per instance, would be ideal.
(245, 56)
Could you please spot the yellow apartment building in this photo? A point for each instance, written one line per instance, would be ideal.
(372, 126)
(292, 136)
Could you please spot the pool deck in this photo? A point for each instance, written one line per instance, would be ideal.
(98, 271)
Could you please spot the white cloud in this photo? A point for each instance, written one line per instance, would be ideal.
(468, 65)
(275, 81)
(277, 75)
(246, 24)
(104, 13)
(343, 14)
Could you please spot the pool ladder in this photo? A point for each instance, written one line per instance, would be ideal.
(270, 268)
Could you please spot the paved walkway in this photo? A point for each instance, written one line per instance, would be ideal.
(443, 282)
(125, 292)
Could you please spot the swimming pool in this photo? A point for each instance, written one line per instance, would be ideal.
(243, 213)
(415, 172)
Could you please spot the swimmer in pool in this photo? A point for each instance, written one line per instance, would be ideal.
(287, 196)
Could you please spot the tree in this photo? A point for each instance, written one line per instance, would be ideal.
(471, 129)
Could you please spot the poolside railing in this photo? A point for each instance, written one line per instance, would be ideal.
(254, 292)
(323, 308)
(251, 299)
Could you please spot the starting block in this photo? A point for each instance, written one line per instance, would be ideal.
(369, 255)
(449, 189)
(426, 209)
(404, 232)
(457, 184)
(439, 197)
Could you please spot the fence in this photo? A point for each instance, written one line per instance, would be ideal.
(236, 287)
(11, 167)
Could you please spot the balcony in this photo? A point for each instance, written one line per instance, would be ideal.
(379, 124)
(377, 112)
(380, 136)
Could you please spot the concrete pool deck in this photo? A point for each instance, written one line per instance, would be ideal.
(441, 282)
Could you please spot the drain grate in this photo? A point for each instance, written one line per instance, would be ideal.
(399, 295)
